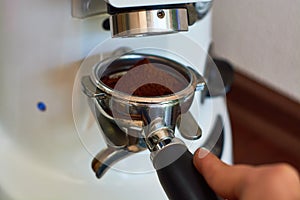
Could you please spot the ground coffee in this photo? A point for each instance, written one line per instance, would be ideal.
(147, 79)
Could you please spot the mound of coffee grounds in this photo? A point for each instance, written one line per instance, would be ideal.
(147, 79)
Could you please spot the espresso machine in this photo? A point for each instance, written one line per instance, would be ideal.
(109, 99)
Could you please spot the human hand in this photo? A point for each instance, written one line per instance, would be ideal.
(245, 182)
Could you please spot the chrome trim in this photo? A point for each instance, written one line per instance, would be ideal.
(188, 126)
(149, 22)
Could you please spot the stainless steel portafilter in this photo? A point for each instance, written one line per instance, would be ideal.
(138, 100)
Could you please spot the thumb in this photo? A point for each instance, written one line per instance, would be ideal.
(225, 180)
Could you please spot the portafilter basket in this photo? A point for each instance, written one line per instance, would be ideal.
(142, 91)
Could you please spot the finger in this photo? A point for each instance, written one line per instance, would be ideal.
(227, 181)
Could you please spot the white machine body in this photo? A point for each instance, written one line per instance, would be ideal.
(42, 154)
(135, 3)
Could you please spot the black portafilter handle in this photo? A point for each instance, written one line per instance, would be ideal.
(179, 178)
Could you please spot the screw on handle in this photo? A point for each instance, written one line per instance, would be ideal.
(180, 179)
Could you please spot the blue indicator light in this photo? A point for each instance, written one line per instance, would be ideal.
(41, 106)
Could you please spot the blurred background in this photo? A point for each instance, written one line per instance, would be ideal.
(261, 40)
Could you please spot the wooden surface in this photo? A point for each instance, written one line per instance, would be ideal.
(265, 124)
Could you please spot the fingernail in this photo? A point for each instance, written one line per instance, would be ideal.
(202, 152)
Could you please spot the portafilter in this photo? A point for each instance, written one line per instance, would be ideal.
(145, 95)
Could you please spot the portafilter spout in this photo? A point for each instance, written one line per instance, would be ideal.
(150, 96)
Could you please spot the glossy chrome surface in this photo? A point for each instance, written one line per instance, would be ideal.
(149, 22)
(126, 61)
(132, 123)
(133, 111)
(188, 127)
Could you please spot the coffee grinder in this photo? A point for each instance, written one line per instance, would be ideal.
(68, 119)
